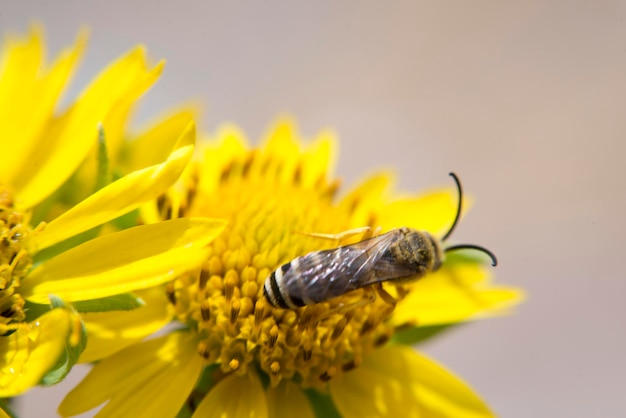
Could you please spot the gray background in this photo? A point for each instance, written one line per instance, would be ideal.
(524, 100)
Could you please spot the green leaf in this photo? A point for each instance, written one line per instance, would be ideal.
(415, 335)
(322, 404)
(67, 359)
(63, 246)
(66, 194)
(127, 220)
(185, 412)
(466, 257)
(7, 405)
(56, 302)
(34, 310)
(264, 378)
(103, 178)
(209, 378)
(103, 175)
(122, 302)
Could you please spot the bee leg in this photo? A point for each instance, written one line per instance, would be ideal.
(365, 231)
(313, 319)
(384, 294)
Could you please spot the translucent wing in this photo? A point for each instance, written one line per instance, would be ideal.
(322, 275)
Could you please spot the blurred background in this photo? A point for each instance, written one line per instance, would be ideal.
(525, 101)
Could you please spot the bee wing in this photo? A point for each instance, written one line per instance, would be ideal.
(385, 264)
(334, 272)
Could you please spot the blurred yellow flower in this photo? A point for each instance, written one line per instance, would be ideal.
(48, 262)
(233, 354)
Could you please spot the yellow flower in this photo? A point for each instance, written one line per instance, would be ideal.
(49, 262)
(234, 355)
(3, 413)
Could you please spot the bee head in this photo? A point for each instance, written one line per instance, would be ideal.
(494, 261)
(438, 252)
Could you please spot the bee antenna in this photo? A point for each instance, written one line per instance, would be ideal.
(494, 260)
(458, 209)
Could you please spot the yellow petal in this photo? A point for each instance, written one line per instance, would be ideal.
(454, 294)
(366, 199)
(279, 151)
(28, 97)
(280, 142)
(150, 213)
(115, 121)
(440, 393)
(287, 400)
(394, 381)
(433, 212)
(318, 159)
(110, 332)
(151, 379)
(73, 135)
(135, 258)
(3, 414)
(119, 197)
(117, 117)
(30, 351)
(379, 388)
(154, 145)
(232, 144)
(234, 397)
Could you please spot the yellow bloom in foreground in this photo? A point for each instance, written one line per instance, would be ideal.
(235, 355)
(40, 270)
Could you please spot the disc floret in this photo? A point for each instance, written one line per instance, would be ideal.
(224, 301)
(15, 261)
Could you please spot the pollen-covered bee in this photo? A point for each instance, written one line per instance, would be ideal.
(398, 256)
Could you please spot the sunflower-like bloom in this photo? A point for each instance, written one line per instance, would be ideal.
(234, 355)
(52, 267)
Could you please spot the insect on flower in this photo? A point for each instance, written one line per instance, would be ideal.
(398, 256)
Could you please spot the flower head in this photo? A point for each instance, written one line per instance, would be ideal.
(250, 358)
(49, 258)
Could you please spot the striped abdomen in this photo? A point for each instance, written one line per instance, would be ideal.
(275, 289)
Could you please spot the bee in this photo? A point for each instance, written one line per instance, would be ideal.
(398, 256)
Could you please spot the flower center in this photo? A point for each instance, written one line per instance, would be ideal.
(269, 215)
(14, 261)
